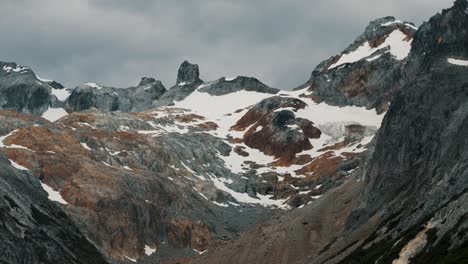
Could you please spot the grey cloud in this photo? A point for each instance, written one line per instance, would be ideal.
(116, 42)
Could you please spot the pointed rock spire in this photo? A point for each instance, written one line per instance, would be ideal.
(188, 73)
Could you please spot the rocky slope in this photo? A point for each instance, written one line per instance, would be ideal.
(369, 72)
(22, 90)
(254, 174)
(107, 99)
(407, 203)
(34, 229)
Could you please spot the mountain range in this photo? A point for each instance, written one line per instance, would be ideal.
(366, 162)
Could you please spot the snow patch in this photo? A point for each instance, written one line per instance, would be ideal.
(61, 94)
(43, 79)
(399, 22)
(220, 204)
(132, 260)
(149, 251)
(18, 68)
(399, 48)
(53, 195)
(54, 114)
(85, 146)
(200, 252)
(457, 62)
(93, 85)
(17, 166)
(264, 200)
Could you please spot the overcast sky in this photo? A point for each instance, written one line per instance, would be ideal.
(116, 42)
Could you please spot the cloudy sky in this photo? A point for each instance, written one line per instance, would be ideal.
(116, 42)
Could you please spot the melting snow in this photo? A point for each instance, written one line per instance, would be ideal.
(264, 200)
(86, 124)
(2, 138)
(132, 260)
(200, 252)
(54, 114)
(2, 145)
(230, 79)
(17, 166)
(53, 195)
(107, 164)
(149, 251)
(204, 105)
(42, 79)
(399, 22)
(85, 146)
(374, 57)
(61, 94)
(399, 48)
(93, 85)
(458, 62)
(220, 204)
(11, 69)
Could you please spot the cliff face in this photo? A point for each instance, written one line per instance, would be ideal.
(34, 229)
(411, 191)
(418, 171)
(368, 72)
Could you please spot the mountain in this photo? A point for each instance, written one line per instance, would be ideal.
(407, 202)
(369, 71)
(364, 163)
(107, 99)
(22, 90)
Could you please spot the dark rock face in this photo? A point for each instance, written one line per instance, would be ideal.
(109, 99)
(188, 73)
(188, 79)
(34, 229)
(20, 90)
(223, 86)
(370, 81)
(418, 170)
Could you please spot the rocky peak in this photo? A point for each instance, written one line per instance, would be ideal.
(22, 90)
(368, 72)
(444, 37)
(229, 85)
(188, 73)
(146, 81)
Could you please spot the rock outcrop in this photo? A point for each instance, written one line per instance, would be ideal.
(109, 99)
(224, 86)
(188, 79)
(35, 229)
(367, 73)
(21, 90)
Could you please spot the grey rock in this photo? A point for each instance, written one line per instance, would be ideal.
(188, 79)
(109, 99)
(371, 84)
(223, 86)
(188, 73)
(21, 91)
(35, 230)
